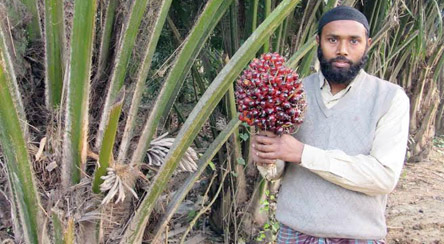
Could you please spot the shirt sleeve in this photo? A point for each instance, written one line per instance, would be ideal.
(373, 174)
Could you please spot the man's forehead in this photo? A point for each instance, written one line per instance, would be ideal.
(344, 28)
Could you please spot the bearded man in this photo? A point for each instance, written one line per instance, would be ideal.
(348, 154)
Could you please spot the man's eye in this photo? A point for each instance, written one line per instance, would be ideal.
(332, 40)
(354, 41)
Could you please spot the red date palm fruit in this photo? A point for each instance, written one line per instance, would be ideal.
(270, 96)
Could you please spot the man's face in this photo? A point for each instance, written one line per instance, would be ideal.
(342, 51)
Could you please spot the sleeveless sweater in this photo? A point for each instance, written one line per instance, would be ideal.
(308, 203)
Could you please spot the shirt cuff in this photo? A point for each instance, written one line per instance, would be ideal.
(314, 158)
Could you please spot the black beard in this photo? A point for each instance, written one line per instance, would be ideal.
(340, 75)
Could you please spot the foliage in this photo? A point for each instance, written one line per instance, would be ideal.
(193, 51)
(271, 227)
(439, 142)
(12, 138)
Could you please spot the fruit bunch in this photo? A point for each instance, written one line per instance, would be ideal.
(270, 96)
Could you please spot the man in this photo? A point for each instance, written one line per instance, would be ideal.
(348, 154)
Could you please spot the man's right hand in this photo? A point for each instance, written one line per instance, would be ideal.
(256, 152)
(267, 147)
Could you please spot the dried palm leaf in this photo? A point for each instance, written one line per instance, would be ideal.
(221, 124)
(160, 147)
(118, 180)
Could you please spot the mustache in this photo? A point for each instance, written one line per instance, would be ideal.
(341, 59)
(340, 75)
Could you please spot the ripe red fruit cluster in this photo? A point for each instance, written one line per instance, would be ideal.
(270, 96)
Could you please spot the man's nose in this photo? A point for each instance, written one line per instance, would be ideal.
(342, 49)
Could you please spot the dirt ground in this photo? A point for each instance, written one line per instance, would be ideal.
(415, 212)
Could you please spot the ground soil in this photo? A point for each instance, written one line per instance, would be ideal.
(415, 212)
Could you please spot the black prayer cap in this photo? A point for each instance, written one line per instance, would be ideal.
(343, 13)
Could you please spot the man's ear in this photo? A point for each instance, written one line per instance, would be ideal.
(369, 42)
(317, 39)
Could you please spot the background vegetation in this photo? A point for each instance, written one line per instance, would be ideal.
(86, 86)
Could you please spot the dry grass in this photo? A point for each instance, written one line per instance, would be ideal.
(6, 225)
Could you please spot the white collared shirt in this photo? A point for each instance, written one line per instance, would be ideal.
(329, 99)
